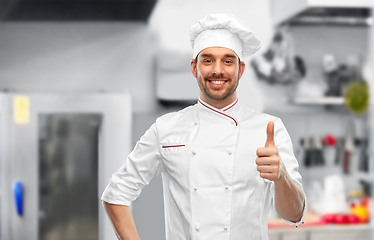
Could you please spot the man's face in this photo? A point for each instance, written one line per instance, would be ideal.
(217, 71)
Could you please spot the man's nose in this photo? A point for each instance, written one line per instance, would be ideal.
(217, 69)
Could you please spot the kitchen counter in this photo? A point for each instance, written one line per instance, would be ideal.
(315, 229)
(325, 232)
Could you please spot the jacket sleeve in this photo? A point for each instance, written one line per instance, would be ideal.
(141, 165)
(283, 143)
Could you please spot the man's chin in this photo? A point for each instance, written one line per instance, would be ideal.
(217, 98)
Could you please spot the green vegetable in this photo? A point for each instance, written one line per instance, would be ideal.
(357, 96)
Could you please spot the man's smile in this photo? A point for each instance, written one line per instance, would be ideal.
(217, 83)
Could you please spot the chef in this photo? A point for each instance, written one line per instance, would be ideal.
(221, 162)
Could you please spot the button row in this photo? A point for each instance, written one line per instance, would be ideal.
(224, 227)
(196, 188)
(229, 152)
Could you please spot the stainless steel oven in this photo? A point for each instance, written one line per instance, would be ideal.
(57, 152)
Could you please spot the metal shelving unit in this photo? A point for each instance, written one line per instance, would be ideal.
(319, 101)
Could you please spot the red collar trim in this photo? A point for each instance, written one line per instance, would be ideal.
(231, 105)
(218, 111)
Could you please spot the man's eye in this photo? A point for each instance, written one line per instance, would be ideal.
(208, 61)
(228, 61)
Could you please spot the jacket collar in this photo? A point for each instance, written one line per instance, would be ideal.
(230, 111)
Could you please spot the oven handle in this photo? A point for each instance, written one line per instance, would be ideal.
(18, 197)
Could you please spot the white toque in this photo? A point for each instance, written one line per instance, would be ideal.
(224, 30)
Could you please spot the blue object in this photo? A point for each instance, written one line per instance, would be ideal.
(18, 197)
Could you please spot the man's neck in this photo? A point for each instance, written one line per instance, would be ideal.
(221, 103)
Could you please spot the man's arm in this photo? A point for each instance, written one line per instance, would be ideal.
(122, 221)
(288, 197)
(125, 185)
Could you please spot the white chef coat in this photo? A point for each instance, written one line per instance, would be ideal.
(212, 189)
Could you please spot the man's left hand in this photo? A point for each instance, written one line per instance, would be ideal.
(268, 162)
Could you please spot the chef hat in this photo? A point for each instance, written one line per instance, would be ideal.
(224, 30)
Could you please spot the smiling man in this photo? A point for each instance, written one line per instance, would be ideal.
(221, 162)
(218, 75)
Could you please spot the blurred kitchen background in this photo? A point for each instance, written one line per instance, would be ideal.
(81, 81)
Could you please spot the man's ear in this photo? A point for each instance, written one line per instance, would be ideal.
(241, 69)
(193, 68)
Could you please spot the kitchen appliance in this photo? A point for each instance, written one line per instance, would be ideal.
(58, 152)
(344, 12)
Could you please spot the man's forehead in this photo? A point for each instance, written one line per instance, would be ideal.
(218, 52)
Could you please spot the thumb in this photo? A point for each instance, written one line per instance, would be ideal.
(270, 135)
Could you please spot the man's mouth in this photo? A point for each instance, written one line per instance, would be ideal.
(217, 82)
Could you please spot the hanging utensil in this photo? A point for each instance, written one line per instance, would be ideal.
(348, 147)
(307, 159)
(364, 157)
(339, 150)
(319, 158)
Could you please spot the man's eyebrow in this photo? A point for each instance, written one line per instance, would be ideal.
(230, 55)
(211, 55)
(206, 55)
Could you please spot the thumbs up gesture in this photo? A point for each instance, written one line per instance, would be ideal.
(268, 162)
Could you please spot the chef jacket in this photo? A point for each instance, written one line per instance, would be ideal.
(206, 156)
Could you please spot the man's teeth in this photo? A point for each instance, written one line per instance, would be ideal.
(218, 82)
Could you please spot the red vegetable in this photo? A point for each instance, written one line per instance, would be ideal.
(328, 218)
(341, 219)
(353, 219)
